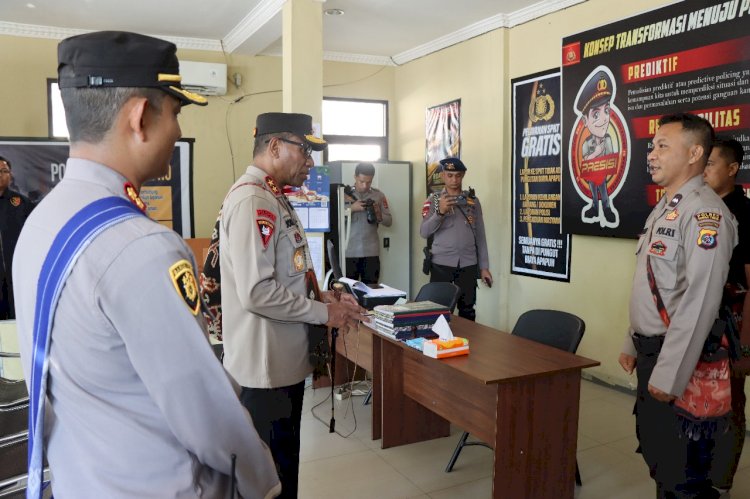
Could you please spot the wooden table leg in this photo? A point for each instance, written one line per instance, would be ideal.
(536, 436)
(377, 387)
(404, 421)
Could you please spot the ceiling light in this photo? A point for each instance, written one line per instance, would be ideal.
(333, 12)
(31, 5)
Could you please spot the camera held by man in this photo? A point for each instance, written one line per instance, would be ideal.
(463, 198)
(367, 204)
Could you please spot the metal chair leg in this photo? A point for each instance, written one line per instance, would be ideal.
(457, 451)
(368, 397)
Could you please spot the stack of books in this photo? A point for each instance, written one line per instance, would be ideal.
(409, 320)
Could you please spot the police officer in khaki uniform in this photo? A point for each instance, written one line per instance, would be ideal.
(138, 405)
(14, 210)
(459, 247)
(363, 246)
(687, 240)
(268, 287)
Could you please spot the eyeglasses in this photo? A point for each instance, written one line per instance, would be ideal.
(4, 171)
(306, 148)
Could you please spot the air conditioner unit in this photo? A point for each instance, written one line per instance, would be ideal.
(205, 78)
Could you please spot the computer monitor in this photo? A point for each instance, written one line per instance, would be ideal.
(333, 259)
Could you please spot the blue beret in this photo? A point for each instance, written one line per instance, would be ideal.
(452, 165)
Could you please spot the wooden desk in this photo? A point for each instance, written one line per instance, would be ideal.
(517, 395)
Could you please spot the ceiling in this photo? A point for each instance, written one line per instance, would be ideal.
(385, 32)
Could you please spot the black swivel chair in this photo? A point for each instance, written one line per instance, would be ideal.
(549, 327)
(442, 293)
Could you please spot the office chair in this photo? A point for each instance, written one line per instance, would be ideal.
(442, 293)
(549, 327)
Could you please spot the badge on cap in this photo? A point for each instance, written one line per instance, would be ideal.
(707, 239)
(15, 201)
(265, 229)
(183, 278)
(132, 194)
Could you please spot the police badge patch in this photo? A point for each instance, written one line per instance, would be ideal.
(707, 239)
(265, 229)
(15, 201)
(298, 259)
(183, 278)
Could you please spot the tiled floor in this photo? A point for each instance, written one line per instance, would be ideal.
(333, 467)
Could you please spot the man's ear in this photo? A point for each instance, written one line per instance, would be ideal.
(136, 116)
(733, 168)
(696, 153)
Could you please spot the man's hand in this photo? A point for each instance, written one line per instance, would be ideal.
(343, 314)
(330, 297)
(627, 362)
(357, 206)
(446, 204)
(487, 277)
(660, 395)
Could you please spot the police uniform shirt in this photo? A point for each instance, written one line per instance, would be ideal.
(363, 237)
(739, 205)
(453, 244)
(589, 145)
(138, 405)
(264, 257)
(689, 240)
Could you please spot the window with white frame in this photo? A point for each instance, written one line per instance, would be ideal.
(356, 130)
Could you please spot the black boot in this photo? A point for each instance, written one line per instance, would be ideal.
(592, 212)
(609, 215)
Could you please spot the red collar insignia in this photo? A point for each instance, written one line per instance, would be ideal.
(132, 194)
(272, 185)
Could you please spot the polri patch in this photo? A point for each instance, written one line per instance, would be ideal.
(265, 230)
(658, 248)
(183, 278)
(665, 231)
(707, 238)
(266, 214)
(672, 215)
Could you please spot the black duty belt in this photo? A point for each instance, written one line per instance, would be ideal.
(648, 345)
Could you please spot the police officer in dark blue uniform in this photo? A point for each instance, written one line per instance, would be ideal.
(14, 208)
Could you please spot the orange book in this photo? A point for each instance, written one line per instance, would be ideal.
(440, 349)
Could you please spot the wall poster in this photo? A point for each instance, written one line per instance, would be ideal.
(619, 79)
(539, 247)
(39, 164)
(442, 139)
